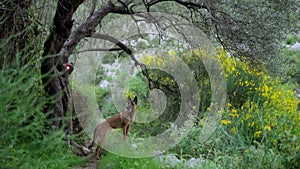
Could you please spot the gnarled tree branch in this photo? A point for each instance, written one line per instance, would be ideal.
(151, 83)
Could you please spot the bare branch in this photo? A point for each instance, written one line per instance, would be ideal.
(183, 3)
(85, 29)
(151, 83)
(118, 43)
(99, 50)
(146, 5)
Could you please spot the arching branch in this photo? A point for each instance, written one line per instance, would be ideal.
(151, 83)
(187, 4)
(99, 50)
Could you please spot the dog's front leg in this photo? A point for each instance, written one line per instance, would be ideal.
(125, 132)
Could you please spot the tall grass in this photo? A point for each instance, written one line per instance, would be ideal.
(25, 141)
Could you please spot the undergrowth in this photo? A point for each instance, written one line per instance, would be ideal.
(25, 141)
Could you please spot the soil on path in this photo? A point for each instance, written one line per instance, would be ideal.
(92, 163)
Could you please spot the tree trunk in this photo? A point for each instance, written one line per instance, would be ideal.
(55, 79)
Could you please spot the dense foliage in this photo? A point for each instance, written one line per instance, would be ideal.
(260, 125)
(25, 138)
(260, 122)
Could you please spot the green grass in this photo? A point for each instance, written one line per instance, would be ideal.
(49, 152)
(112, 161)
(292, 39)
(25, 141)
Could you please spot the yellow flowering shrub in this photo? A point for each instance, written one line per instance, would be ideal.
(170, 60)
(259, 104)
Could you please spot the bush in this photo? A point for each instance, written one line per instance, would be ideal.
(260, 127)
(25, 141)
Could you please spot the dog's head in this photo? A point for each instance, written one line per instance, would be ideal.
(132, 105)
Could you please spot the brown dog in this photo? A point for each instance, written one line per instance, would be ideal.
(121, 120)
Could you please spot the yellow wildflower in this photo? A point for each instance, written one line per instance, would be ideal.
(202, 123)
(234, 111)
(229, 104)
(129, 93)
(251, 124)
(225, 122)
(233, 130)
(234, 115)
(257, 134)
(267, 127)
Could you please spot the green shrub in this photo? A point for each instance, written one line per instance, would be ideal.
(260, 123)
(25, 141)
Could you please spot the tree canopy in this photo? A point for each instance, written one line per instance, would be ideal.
(250, 30)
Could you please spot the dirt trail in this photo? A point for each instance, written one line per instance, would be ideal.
(92, 163)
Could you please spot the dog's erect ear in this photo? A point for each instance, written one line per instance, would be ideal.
(135, 100)
(129, 102)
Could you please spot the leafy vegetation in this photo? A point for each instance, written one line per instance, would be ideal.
(292, 39)
(260, 126)
(115, 161)
(292, 71)
(26, 142)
